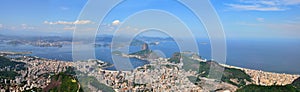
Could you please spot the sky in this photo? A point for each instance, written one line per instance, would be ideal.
(254, 19)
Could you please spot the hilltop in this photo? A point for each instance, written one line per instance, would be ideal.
(244, 79)
(62, 82)
(183, 71)
(230, 75)
(296, 83)
(6, 65)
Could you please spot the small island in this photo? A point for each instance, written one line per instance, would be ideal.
(10, 53)
(233, 78)
(184, 71)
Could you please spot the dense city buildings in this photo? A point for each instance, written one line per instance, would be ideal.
(157, 76)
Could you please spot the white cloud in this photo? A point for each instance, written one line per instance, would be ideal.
(268, 2)
(291, 2)
(69, 23)
(64, 8)
(116, 22)
(264, 5)
(255, 7)
(286, 27)
(82, 22)
(18, 27)
(289, 26)
(25, 26)
(260, 19)
(72, 28)
(69, 28)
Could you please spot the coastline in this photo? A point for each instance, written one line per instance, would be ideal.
(145, 59)
(157, 69)
(265, 78)
(4, 53)
(259, 77)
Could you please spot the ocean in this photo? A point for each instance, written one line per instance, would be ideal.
(280, 56)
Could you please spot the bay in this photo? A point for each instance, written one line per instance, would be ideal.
(268, 55)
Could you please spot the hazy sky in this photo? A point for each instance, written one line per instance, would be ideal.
(240, 18)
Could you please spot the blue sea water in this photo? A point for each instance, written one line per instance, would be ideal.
(268, 55)
(275, 55)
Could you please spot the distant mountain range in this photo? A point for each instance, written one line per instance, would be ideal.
(34, 38)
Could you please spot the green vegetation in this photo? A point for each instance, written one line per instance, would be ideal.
(228, 74)
(70, 71)
(169, 66)
(190, 64)
(117, 52)
(150, 67)
(143, 53)
(8, 74)
(63, 83)
(193, 79)
(239, 75)
(90, 80)
(296, 83)
(258, 88)
(34, 90)
(175, 58)
(4, 62)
